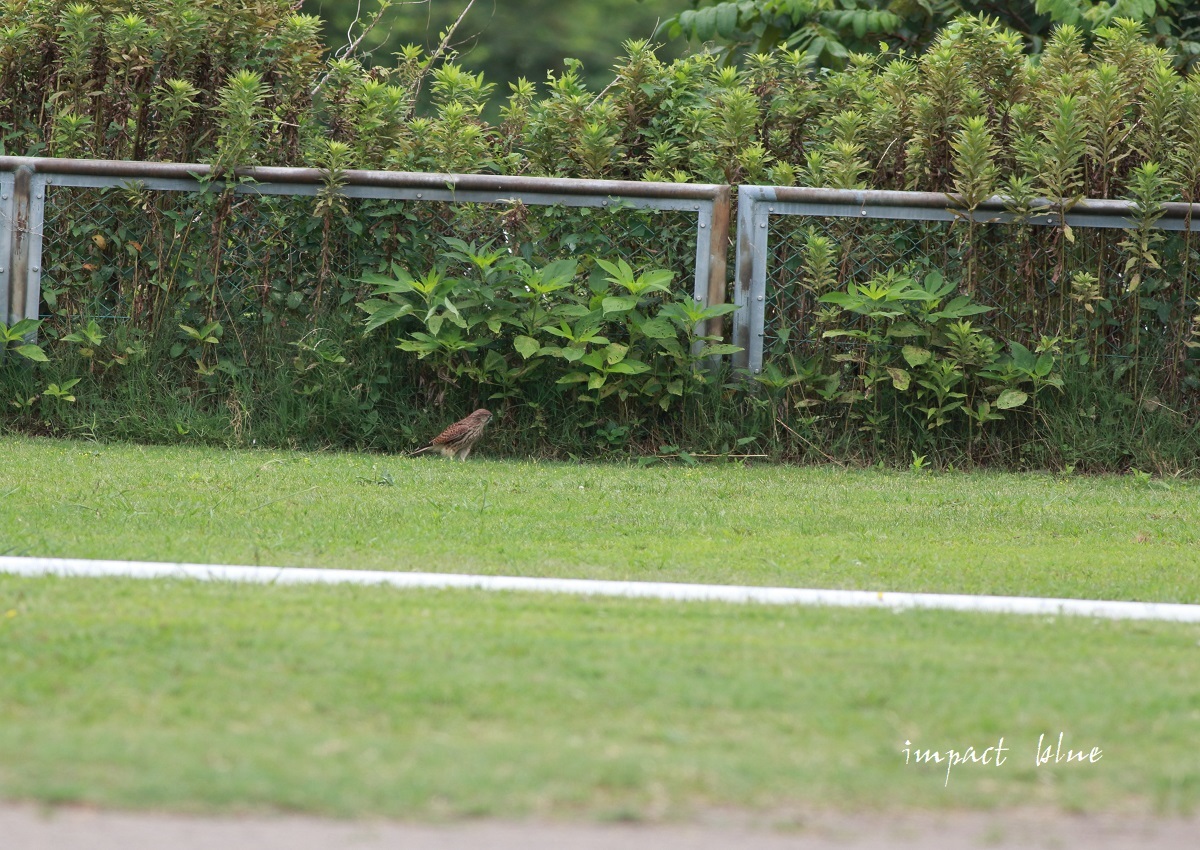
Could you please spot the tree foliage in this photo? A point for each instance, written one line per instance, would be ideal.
(829, 31)
(504, 41)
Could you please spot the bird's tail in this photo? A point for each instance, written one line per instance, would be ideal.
(418, 451)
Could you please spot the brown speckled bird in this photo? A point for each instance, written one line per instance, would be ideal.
(458, 440)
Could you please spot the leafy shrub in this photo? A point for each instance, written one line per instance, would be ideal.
(503, 324)
(916, 354)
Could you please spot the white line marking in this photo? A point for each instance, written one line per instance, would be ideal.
(1113, 610)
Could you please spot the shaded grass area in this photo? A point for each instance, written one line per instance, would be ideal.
(350, 701)
(381, 404)
(1040, 535)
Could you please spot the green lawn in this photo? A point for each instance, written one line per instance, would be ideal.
(351, 700)
(1109, 538)
(355, 700)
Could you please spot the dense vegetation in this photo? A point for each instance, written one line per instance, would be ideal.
(503, 41)
(829, 31)
(242, 84)
(202, 318)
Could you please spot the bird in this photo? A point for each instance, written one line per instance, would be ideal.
(458, 440)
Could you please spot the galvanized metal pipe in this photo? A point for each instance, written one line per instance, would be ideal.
(743, 276)
(19, 253)
(751, 281)
(398, 179)
(881, 198)
(7, 228)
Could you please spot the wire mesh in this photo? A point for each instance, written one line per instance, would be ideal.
(143, 256)
(1096, 295)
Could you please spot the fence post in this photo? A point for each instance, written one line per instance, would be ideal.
(25, 254)
(751, 286)
(718, 259)
(7, 235)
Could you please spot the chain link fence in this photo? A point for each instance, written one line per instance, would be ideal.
(114, 254)
(1100, 290)
(138, 243)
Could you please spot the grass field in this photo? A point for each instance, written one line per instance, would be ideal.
(424, 704)
(1039, 535)
(351, 700)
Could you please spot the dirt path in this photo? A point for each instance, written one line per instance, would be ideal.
(29, 827)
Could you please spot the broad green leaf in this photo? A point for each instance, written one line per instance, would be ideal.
(727, 18)
(620, 271)
(1022, 357)
(629, 367)
(572, 378)
(900, 378)
(719, 350)
(936, 284)
(1011, 398)
(23, 327)
(959, 308)
(32, 352)
(915, 356)
(572, 311)
(557, 275)
(619, 303)
(904, 329)
(705, 23)
(657, 280)
(526, 346)
(495, 363)
(842, 299)
(657, 329)
(671, 347)
(452, 313)
(711, 312)
(382, 312)
(399, 282)
(615, 353)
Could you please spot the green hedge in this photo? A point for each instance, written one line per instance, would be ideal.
(214, 317)
(242, 83)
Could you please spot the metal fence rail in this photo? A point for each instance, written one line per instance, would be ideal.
(49, 209)
(1014, 258)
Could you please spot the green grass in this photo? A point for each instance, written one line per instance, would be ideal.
(350, 700)
(1041, 535)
